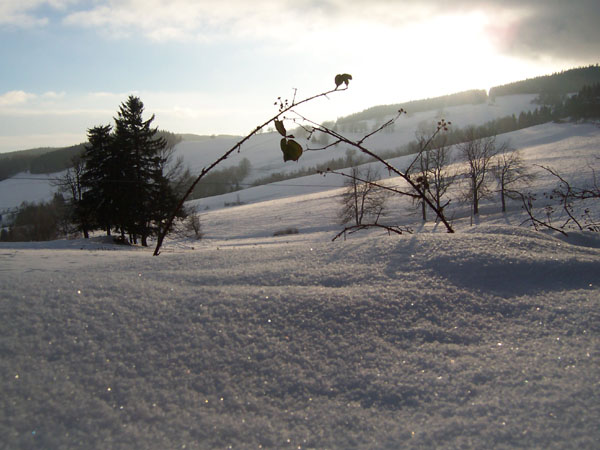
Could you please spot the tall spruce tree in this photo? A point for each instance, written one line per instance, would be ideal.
(141, 152)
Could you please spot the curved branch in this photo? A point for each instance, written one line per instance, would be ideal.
(282, 110)
(355, 228)
(404, 175)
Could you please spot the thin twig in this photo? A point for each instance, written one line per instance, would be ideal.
(355, 228)
(237, 146)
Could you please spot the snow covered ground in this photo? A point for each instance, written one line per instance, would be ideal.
(486, 338)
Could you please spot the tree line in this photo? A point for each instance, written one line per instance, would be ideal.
(560, 83)
(52, 160)
(471, 97)
(489, 167)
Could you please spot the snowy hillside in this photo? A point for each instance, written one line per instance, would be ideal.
(264, 153)
(486, 338)
(310, 203)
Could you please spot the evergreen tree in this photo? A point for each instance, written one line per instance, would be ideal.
(141, 153)
(586, 104)
(125, 184)
(100, 181)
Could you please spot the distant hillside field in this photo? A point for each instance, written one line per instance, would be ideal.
(27, 175)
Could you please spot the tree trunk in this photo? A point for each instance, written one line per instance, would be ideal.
(356, 213)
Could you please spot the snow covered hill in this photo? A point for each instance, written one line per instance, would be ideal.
(311, 203)
(264, 153)
(265, 156)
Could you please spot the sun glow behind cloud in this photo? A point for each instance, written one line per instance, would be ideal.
(216, 67)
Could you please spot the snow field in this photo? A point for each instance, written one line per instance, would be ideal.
(486, 338)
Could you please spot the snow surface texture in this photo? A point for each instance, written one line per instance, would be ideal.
(487, 338)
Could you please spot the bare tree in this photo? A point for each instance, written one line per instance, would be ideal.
(527, 200)
(362, 199)
(510, 173)
(479, 154)
(193, 226)
(568, 194)
(571, 199)
(415, 188)
(432, 171)
(70, 184)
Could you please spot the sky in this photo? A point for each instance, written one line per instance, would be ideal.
(216, 67)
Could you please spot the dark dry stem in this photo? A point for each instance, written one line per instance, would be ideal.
(404, 175)
(527, 201)
(355, 228)
(282, 110)
(371, 183)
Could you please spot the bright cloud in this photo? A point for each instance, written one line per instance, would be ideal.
(51, 95)
(23, 13)
(261, 19)
(548, 27)
(13, 98)
(551, 28)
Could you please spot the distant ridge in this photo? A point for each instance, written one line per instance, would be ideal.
(39, 160)
(203, 137)
(471, 97)
(566, 82)
(52, 159)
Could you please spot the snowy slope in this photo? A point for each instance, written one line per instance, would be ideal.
(26, 187)
(310, 203)
(264, 153)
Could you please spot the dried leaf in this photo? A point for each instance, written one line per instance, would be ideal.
(280, 128)
(291, 150)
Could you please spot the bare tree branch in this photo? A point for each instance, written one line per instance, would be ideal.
(355, 228)
(405, 175)
(283, 108)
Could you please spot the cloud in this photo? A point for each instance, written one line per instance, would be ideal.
(51, 95)
(13, 98)
(538, 28)
(209, 21)
(566, 30)
(26, 13)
